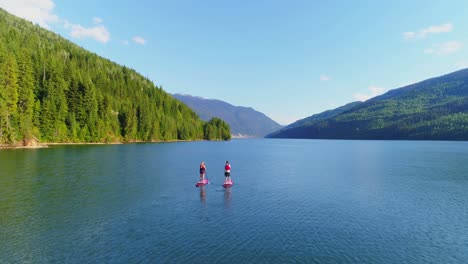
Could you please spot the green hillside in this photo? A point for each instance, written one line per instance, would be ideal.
(434, 109)
(311, 120)
(52, 90)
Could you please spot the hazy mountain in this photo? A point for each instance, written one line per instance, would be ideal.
(434, 109)
(244, 121)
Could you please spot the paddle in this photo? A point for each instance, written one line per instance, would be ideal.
(206, 176)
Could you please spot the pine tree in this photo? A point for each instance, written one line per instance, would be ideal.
(26, 99)
(8, 99)
(54, 90)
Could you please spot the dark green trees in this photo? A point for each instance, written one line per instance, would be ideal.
(8, 97)
(217, 129)
(434, 109)
(26, 102)
(54, 91)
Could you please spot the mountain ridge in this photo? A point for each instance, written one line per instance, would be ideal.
(53, 90)
(432, 109)
(316, 117)
(244, 121)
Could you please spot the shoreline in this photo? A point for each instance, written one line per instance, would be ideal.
(47, 144)
(24, 147)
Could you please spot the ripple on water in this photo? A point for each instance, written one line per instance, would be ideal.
(292, 202)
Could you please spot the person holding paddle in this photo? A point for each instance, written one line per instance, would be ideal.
(227, 172)
(202, 171)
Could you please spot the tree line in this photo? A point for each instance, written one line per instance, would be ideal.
(435, 109)
(52, 90)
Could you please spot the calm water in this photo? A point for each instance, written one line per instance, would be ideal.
(293, 201)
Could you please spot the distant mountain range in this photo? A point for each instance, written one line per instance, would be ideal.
(244, 121)
(434, 109)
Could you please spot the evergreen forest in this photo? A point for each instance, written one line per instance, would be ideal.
(52, 90)
(434, 109)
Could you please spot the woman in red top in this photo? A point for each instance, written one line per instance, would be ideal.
(227, 172)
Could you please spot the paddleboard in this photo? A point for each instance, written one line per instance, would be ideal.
(201, 183)
(228, 184)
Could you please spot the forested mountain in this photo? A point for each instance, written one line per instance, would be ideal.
(308, 121)
(55, 91)
(244, 121)
(434, 109)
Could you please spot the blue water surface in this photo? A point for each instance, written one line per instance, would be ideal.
(293, 201)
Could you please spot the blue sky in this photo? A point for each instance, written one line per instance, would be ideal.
(287, 59)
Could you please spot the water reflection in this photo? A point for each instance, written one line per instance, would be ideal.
(202, 194)
(227, 197)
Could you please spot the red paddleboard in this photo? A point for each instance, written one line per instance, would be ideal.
(201, 183)
(228, 184)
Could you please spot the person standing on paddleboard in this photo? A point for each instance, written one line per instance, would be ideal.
(227, 172)
(202, 171)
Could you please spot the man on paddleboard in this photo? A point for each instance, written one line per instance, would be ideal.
(227, 172)
(202, 171)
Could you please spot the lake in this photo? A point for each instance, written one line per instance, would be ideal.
(293, 201)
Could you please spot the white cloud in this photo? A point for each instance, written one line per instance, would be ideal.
(66, 24)
(36, 11)
(99, 33)
(361, 97)
(97, 20)
(324, 77)
(444, 48)
(139, 40)
(449, 47)
(444, 28)
(409, 35)
(125, 42)
(41, 12)
(373, 91)
(447, 27)
(429, 51)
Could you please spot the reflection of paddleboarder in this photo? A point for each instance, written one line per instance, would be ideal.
(227, 197)
(202, 193)
(227, 194)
